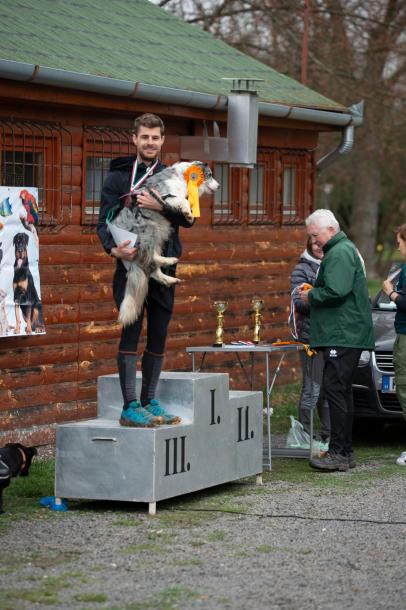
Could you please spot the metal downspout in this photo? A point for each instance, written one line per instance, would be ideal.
(347, 139)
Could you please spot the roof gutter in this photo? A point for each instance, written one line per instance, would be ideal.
(26, 72)
(347, 140)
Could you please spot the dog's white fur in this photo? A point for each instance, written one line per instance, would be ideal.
(5, 327)
(153, 230)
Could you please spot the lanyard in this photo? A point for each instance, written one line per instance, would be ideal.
(134, 187)
(149, 171)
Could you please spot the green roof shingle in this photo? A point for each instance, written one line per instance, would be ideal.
(136, 40)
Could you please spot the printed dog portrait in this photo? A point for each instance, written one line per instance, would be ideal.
(153, 230)
(26, 298)
(15, 460)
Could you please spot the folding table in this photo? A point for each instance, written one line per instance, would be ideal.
(267, 350)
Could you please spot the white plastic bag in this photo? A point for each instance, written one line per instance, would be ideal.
(298, 438)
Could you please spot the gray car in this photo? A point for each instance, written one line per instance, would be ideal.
(374, 392)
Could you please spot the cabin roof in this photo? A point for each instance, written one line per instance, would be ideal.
(135, 40)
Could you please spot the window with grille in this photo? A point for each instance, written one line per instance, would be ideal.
(39, 154)
(297, 186)
(280, 187)
(101, 145)
(256, 197)
(228, 197)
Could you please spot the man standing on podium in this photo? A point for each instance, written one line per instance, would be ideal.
(340, 327)
(127, 173)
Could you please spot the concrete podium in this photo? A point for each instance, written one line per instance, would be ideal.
(219, 440)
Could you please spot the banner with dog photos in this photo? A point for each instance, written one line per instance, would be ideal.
(20, 291)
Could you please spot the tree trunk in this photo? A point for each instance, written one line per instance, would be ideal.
(367, 193)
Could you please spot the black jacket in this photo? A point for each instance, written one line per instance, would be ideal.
(117, 184)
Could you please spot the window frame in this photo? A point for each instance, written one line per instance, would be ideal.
(303, 163)
(106, 143)
(48, 139)
(233, 214)
(274, 162)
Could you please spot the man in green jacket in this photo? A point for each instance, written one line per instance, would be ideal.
(340, 326)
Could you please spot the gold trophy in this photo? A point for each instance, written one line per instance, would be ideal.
(257, 305)
(220, 307)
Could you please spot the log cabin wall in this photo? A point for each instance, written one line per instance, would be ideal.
(245, 244)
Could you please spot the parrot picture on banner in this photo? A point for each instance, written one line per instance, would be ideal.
(31, 207)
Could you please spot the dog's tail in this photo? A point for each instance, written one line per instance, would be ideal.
(135, 293)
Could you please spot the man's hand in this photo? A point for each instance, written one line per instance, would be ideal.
(303, 292)
(124, 252)
(146, 200)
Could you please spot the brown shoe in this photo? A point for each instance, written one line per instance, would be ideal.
(330, 462)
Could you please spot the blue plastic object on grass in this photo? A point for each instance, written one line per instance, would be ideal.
(54, 503)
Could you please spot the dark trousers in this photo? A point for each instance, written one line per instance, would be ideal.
(158, 319)
(340, 364)
(157, 328)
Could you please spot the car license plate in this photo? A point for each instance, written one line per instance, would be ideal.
(388, 383)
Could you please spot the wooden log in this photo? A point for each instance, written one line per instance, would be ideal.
(98, 350)
(17, 357)
(39, 415)
(53, 293)
(72, 155)
(37, 436)
(63, 274)
(249, 234)
(97, 330)
(89, 371)
(42, 374)
(71, 196)
(26, 397)
(69, 234)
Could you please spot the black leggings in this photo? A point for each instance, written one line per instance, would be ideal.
(158, 319)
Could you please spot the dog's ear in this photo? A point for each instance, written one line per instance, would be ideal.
(29, 454)
(25, 239)
(15, 239)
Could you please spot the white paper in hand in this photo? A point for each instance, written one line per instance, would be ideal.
(120, 235)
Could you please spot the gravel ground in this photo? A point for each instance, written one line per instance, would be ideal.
(105, 555)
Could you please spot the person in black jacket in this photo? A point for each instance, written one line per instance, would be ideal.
(126, 174)
(311, 395)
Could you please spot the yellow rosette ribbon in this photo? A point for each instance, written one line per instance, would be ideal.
(194, 177)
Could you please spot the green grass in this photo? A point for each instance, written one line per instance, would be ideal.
(167, 599)
(284, 402)
(216, 536)
(45, 594)
(21, 497)
(149, 547)
(91, 597)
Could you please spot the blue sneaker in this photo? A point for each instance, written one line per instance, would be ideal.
(137, 417)
(155, 409)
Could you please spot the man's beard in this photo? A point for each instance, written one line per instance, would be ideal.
(149, 159)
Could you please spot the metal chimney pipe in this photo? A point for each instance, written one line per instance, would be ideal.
(242, 122)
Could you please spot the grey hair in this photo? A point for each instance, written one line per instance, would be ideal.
(323, 219)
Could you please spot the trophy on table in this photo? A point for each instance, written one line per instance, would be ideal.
(220, 307)
(256, 307)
